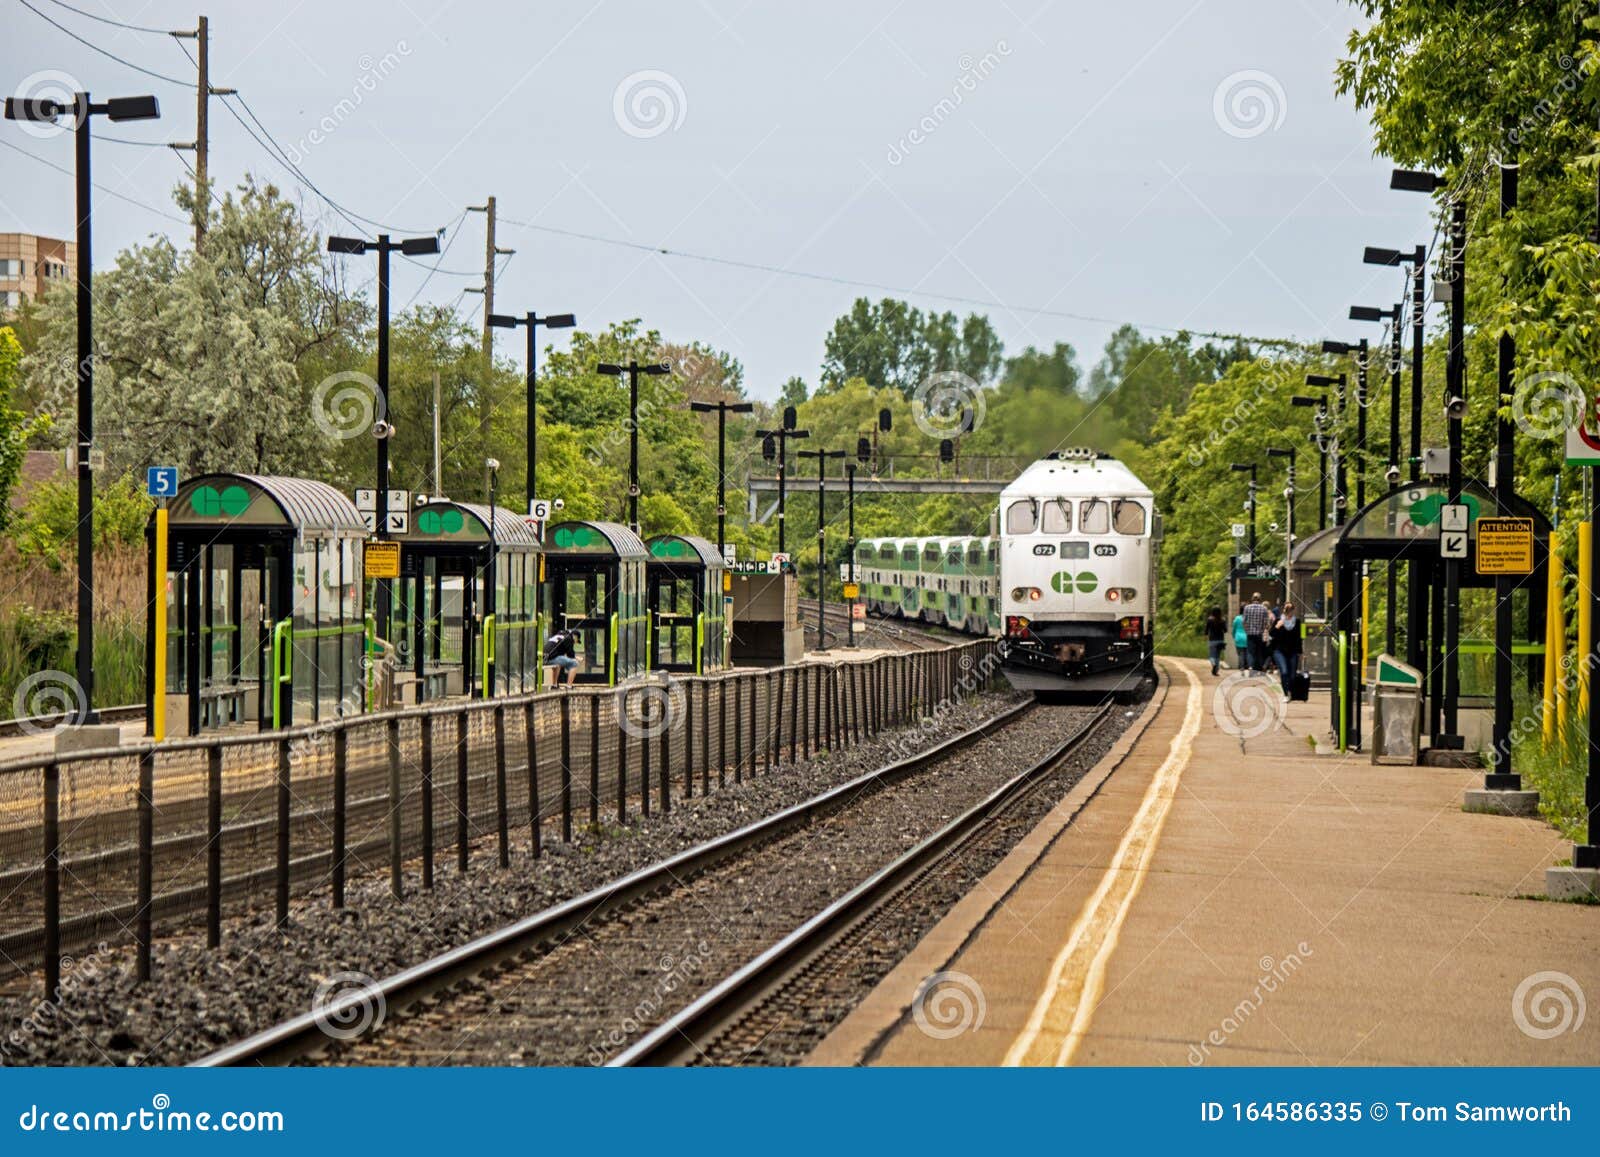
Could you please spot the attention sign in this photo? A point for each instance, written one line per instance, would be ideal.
(381, 560)
(1505, 546)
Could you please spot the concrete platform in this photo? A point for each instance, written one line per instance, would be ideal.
(1230, 898)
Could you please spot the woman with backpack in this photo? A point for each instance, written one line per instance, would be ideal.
(1216, 637)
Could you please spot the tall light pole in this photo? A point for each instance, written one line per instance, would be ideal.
(1249, 467)
(1392, 472)
(533, 321)
(1288, 508)
(382, 429)
(1359, 350)
(633, 369)
(1320, 437)
(44, 111)
(778, 442)
(1340, 494)
(491, 578)
(1455, 408)
(822, 457)
(723, 409)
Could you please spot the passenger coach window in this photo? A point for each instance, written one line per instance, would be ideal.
(1021, 517)
(1057, 516)
(1127, 516)
(1094, 516)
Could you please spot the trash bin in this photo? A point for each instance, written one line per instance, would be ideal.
(1396, 712)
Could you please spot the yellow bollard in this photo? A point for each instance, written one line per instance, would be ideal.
(158, 661)
(1366, 617)
(1563, 690)
(1552, 647)
(1585, 627)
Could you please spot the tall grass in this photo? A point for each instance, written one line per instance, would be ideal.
(1556, 772)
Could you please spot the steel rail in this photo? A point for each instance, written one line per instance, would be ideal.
(304, 1034)
(677, 1039)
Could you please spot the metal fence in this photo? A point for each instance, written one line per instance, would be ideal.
(113, 845)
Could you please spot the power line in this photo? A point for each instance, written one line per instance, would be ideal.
(104, 189)
(880, 287)
(113, 23)
(89, 44)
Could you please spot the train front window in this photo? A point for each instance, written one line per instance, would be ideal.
(1127, 516)
(1094, 516)
(1022, 517)
(1057, 516)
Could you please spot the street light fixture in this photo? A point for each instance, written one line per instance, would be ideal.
(533, 321)
(1358, 350)
(1338, 382)
(118, 109)
(1288, 505)
(633, 369)
(383, 246)
(723, 409)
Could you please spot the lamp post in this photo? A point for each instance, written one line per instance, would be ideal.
(775, 444)
(382, 429)
(822, 457)
(633, 369)
(723, 409)
(1250, 502)
(1418, 181)
(533, 321)
(1358, 349)
(1288, 507)
(1340, 493)
(490, 576)
(1320, 403)
(1392, 472)
(44, 111)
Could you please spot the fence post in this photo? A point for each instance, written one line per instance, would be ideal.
(705, 739)
(644, 764)
(688, 739)
(794, 711)
(285, 800)
(425, 737)
(214, 842)
(463, 797)
(146, 868)
(52, 880)
(566, 769)
(594, 762)
(530, 726)
(774, 717)
(722, 732)
(738, 729)
(622, 768)
(502, 815)
(666, 765)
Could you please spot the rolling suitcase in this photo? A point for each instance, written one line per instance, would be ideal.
(1300, 687)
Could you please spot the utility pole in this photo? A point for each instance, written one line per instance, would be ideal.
(202, 120)
(485, 392)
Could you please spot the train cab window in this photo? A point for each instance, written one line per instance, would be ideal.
(1127, 516)
(1022, 517)
(1057, 516)
(1094, 516)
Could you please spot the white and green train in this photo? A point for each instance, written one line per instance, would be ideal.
(1068, 583)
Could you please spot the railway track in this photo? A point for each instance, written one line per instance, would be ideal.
(910, 635)
(631, 954)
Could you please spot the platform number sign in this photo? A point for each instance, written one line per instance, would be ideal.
(161, 482)
(539, 509)
(1454, 518)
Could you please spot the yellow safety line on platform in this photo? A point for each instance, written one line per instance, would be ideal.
(1061, 1017)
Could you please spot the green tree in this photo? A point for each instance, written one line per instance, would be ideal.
(894, 344)
(15, 426)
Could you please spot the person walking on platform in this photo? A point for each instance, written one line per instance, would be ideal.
(1241, 642)
(1216, 637)
(1286, 643)
(1257, 625)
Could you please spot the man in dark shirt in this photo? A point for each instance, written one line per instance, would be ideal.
(1257, 618)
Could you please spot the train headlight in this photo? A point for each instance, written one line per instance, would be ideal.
(1120, 594)
(1026, 594)
(1035, 594)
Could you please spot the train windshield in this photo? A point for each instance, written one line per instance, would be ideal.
(1127, 516)
(1094, 516)
(1022, 517)
(1057, 516)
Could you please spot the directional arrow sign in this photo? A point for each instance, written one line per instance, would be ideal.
(1453, 544)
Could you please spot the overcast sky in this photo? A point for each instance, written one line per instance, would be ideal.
(1169, 163)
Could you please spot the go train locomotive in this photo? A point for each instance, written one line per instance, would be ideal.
(1068, 582)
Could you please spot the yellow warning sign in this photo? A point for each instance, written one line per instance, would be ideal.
(381, 560)
(852, 590)
(1505, 545)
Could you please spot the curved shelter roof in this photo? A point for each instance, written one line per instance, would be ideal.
(443, 523)
(605, 539)
(268, 501)
(1411, 513)
(1315, 549)
(685, 548)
